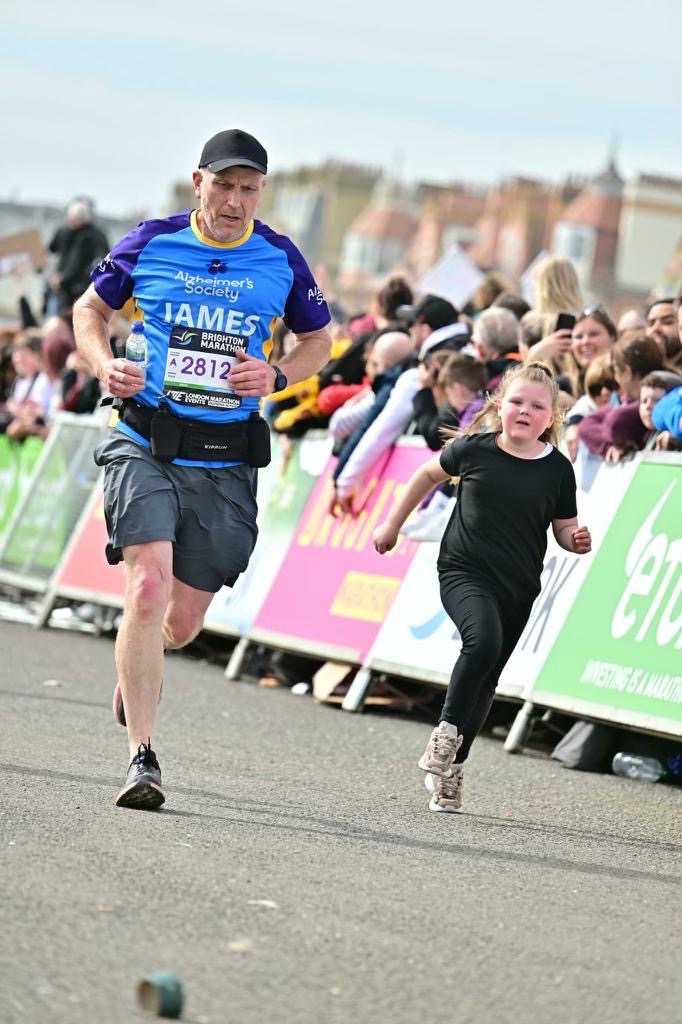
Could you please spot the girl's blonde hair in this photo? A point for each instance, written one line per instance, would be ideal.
(488, 419)
(556, 286)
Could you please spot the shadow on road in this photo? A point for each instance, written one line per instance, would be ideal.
(343, 830)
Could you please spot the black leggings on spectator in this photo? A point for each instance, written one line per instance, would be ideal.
(490, 629)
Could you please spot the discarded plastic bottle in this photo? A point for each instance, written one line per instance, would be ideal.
(632, 766)
(136, 346)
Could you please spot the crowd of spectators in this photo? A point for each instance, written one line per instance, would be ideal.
(421, 366)
(41, 372)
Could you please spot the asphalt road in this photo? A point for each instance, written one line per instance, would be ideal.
(296, 874)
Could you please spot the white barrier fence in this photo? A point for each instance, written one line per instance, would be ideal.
(315, 584)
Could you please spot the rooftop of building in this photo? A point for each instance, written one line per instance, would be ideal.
(384, 222)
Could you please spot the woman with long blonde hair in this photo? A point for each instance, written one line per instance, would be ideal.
(556, 288)
(513, 484)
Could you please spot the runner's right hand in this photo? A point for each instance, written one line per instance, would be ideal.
(120, 377)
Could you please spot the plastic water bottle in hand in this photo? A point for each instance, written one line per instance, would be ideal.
(632, 766)
(136, 346)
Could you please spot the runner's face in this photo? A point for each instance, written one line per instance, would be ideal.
(525, 411)
(227, 201)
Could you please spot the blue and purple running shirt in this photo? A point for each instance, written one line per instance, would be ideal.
(201, 301)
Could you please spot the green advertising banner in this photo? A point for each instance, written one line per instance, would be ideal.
(47, 510)
(17, 459)
(37, 539)
(618, 654)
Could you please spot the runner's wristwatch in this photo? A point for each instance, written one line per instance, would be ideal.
(280, 380)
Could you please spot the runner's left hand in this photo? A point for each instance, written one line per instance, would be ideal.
(251, 376)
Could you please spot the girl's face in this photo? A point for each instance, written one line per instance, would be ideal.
(526, 411)
(589, 339)
(648, 397)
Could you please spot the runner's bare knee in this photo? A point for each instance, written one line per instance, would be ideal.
(180, 627)
(148, 584)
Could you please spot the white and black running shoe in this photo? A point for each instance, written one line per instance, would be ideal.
(143, 782)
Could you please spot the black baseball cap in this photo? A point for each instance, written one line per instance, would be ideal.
(432, 310)
(233, 148)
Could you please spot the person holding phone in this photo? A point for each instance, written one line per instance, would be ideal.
(593, 333)
(557, 296)
(552, 348)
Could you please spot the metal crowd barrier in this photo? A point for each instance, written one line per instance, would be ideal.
(603, 640)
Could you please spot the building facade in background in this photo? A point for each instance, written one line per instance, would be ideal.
(650, 230)
(586, 232)
(316, 206)
(356, 226)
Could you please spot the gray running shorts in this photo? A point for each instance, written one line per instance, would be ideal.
(208, 514)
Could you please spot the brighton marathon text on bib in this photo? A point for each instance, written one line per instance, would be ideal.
(197, 367)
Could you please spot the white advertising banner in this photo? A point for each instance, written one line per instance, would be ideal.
(418, 640)
(454, 277)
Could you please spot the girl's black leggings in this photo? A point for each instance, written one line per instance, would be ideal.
(490, 629)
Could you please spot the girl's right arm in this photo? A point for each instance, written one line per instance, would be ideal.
(418, 486)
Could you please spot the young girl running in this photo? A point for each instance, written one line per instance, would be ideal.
(513, 482)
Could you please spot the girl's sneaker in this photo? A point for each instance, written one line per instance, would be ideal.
(446, 790)
(441, 749)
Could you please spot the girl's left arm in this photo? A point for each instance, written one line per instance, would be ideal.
(572, 537)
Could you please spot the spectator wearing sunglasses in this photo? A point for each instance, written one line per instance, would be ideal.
(620, 426)
(636, 428)
(600, 385)
(594, 333)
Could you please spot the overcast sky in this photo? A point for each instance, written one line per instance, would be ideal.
(115, 101)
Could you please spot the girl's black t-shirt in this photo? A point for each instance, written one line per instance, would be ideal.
(498, 528)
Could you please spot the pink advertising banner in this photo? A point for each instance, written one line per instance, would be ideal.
(333, 591)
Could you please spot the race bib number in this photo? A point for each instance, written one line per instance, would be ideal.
(197, 367)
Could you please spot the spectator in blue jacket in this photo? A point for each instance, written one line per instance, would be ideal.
(667, 415)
